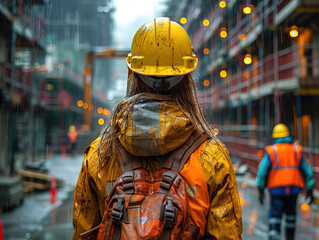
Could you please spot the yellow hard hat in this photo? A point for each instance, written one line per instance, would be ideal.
(161, 48)
(280, 130)
(72, 128)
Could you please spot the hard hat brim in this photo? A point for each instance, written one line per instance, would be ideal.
(162, 71)
(280, 135)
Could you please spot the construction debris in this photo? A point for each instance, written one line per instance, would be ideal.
(33, 180)
(10, 192)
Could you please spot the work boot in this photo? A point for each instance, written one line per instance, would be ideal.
(274, 229)
(274, 235)
(290, 227)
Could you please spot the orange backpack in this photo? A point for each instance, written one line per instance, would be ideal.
(149, 204)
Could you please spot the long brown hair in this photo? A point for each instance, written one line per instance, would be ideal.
(183, 94)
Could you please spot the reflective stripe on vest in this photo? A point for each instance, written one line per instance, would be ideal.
(285, 162)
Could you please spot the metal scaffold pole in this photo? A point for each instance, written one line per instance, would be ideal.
(12, 117)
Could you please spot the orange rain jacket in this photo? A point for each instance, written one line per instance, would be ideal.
(155, 128)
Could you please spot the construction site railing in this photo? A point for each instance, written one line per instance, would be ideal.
(293, 65)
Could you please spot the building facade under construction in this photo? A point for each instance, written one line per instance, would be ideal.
(258, 66)
(42, 53)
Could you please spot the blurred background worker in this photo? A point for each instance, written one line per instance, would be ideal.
(72, 134)
(285, 171)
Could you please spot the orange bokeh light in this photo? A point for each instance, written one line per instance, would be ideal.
(244, 184)
(247, 10)
(223, 73)
(223, 32)
(293, 32)
(106, 112)
(85, 106)
(206, 22)
(242, 37)
(305, 207)
(100, 121)
(222, 4)
(247, 59)
(183, 20)
(206, 83)
(206, 51)
(80, 103)
(99, 110)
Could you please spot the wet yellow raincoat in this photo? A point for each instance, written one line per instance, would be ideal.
(155, 128)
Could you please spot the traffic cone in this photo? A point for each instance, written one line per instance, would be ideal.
(53, 190)
(1, 231)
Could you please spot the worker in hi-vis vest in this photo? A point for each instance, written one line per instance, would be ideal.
(72, 134)
(285, 171)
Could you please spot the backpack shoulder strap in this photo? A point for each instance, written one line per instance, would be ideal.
(127, 165)
(127, 162)
(179, 157)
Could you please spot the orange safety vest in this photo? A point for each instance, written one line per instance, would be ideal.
(285, 162)
(73, 135)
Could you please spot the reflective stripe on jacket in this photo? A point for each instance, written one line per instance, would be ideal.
(285, 163)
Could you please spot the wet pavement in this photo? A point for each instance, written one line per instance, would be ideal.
(58, 223)
(255, 224)
(37, 219)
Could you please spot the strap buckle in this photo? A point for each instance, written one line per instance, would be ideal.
(170, 214)
(118, 210)
(128, 182)
(167, 181)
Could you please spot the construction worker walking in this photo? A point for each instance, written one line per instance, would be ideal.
(157, 171)
(285, 171)
(72, 134)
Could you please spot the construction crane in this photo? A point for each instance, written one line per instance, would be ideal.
(96, 53)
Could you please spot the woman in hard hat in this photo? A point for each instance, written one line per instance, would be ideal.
(158, 115)
(285, 171)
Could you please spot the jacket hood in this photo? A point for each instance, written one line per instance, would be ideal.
(152, 126)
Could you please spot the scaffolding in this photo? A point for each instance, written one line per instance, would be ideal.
(278, 83)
